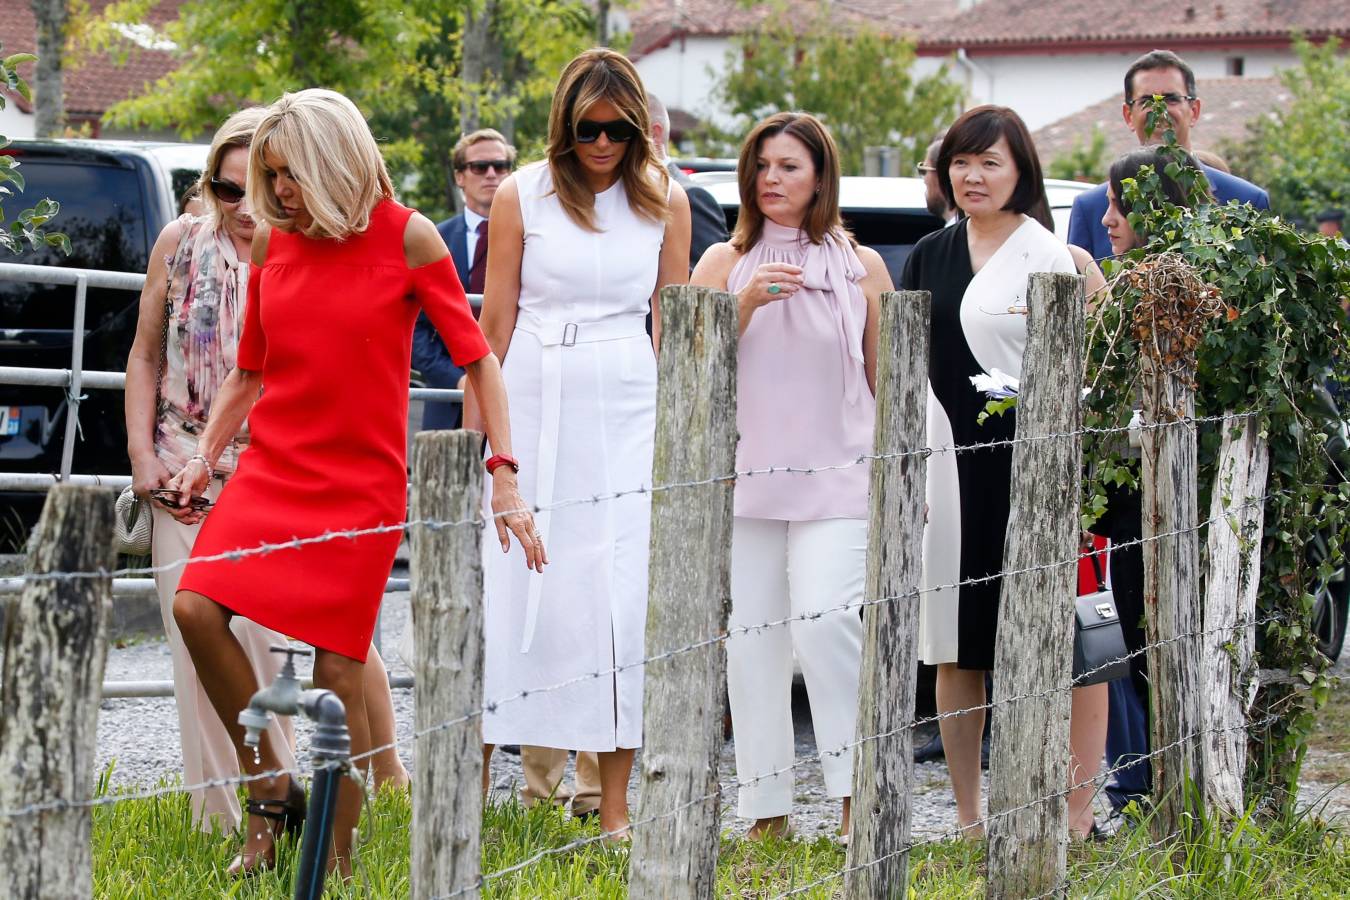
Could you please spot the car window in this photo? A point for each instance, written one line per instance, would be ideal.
(892, 234)
(102, 210)
(103, 213)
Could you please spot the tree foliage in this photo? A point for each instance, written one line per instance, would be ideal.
(1300, 152)
(1084, 161)
(857, 80)
(401, 61)
(30, 224)
(1279, 340)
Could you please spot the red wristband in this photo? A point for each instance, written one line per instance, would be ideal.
(501, 459)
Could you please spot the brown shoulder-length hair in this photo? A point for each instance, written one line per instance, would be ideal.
(601, 74)
(822, 215)
(976, 131)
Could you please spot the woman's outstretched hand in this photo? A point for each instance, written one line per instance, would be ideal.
(509, 513)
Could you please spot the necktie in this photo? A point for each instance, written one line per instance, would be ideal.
(478, 271)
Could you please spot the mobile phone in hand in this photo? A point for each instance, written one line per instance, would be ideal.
(170, 498)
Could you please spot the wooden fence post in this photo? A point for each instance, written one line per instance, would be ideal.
(689, 597)
(883, 769)
(1171, 574)
(54, 650)
(1237, 518)
(1029, 754)
(447, 621)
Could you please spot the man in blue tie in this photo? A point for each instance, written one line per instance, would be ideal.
(1157, 73)
(481, 161)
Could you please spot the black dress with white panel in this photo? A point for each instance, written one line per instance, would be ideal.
(976, 329)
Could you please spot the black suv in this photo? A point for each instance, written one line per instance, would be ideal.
(115, 198)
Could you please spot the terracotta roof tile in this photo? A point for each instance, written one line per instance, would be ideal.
(657, 22)
(1228, 104)
(100, 80)
(1041, 22)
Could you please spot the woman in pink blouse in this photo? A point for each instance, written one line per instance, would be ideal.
(808, 300)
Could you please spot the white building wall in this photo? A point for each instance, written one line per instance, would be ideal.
(1046, 88)
(684, 73)
(1042, 88)
(16, 124)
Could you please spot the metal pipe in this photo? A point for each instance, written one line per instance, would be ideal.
(74, 392)
(39, 481)
(116, 381)
(330, 752)
(60, 378)
(98, 278)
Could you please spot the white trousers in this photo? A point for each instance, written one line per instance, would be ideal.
(208, 752)
(781, 570)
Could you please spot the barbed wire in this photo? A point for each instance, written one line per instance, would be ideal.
(734, 631)
(296, 542)
(1055, 795)
(739, 782)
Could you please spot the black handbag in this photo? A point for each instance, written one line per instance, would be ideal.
(1098, 639)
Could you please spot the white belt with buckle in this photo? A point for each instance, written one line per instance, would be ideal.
(554, 335)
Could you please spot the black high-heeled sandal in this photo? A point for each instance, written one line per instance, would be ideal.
(286, 817)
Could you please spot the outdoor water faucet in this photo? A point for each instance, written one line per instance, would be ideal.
(282, 696)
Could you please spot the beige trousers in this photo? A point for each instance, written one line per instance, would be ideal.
(544, 768)
(208, 752)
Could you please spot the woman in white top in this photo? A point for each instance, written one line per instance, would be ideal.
(579, 245)
(977, 273)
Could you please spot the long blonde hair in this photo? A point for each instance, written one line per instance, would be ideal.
(236, 131)
(333, 156)
(601, 74)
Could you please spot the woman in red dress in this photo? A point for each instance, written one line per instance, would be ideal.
(322, 375)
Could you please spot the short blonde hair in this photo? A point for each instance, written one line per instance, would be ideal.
(458, 156)
(236, 131)
(331, 154)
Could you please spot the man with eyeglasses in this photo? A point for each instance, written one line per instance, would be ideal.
(932, 190)
(1157, 73)
(481, 161)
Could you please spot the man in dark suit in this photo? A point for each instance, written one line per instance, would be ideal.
(708, 220)
(481, 161)
(1160, 72)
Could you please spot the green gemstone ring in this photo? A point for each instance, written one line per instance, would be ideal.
(775, 289)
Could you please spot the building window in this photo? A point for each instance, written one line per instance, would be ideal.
(1235, 66)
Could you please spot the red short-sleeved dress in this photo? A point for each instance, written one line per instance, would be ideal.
(329, 323)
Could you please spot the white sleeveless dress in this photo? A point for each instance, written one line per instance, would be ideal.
(581, 380)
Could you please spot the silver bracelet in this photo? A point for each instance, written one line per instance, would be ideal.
(210, 472)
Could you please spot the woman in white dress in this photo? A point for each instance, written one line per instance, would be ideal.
(977, 272)
(579, 244)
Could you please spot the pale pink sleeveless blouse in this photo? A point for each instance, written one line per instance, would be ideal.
(802, 395)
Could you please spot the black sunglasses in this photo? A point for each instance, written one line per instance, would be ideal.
(226, 191)
(481, 166)
(620, 131)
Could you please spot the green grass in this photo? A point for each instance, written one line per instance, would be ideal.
(149, 849)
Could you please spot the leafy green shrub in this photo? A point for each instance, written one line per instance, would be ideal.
(1281, 339)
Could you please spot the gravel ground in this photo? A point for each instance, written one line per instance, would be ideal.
(141, 737)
